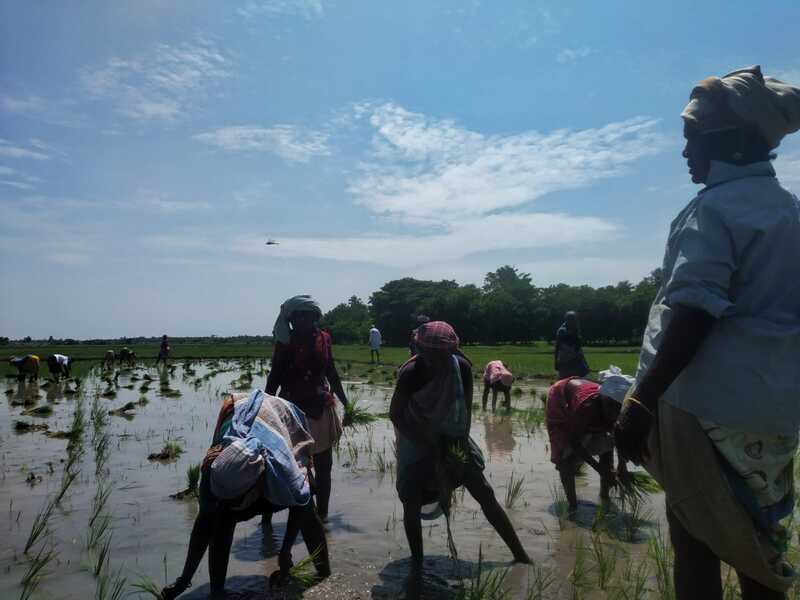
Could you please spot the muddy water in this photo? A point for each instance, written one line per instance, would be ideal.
(368, 548)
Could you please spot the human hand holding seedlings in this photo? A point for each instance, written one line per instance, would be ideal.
(632, 430)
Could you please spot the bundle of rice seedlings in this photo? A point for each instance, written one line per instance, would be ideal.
(123, 411)
(39, 411)
(637, 485)
(147, 586)
(25, 427)
(354, 414)
(170, 451)
(304, 572)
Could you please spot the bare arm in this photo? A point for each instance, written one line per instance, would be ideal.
(686, 332)
(277, 371)
(336, 382)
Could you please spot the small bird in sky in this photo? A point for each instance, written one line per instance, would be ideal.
(271, 242)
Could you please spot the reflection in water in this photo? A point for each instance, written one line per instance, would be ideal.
(55, 391)
(499, 436)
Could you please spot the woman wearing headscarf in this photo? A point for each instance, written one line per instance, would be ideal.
(569, 358)
(304, 371)
(27, 366)
(257, 464)
(497, 378)
(580, 417)
(714, 415)
(431, 410)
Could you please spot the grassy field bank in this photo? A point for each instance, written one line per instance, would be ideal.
(530, 360)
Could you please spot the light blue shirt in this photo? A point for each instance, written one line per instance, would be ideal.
(734, 252)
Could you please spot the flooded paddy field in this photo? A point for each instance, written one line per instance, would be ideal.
(83, 509)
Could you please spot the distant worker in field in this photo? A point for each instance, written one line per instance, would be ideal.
(497, 378)
(304, 371)
(569, 358)
(714, 415)
(374, 345)
(127, 357)
(108, 359)
(431, 410)
(580, 417)
(257, 464)
(59, 365)
(27, 366)
(412, 344)
(163, 351)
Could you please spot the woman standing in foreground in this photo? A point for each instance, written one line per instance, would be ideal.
(305, 373)
(714, 415)
(431, 410)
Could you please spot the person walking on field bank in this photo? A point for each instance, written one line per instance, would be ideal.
(374, 345)
(498, 378)
(569, 358)
(431, 410)
(27, 366)
(304, 371)
(580, 417)
(257, 464)
(58, 365)
(715, 411)
(163, 351)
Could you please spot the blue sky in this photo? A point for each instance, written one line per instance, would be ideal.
(148, 149)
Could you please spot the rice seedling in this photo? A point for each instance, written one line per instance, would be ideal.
(540, 583)
(192, 481)
(514, 490)
(560, 504)
(303, 572)
(660, 550)
(605, 558)
(109, 393)
(26, 427)
(638, 484)
(101, 559)
(123, 411)
(485, 587)
(147, 586)
(39, 411)
(40, 525)
(67, 478)
(355, 415)
(633, 583)
(37, 569)
(170, 451)
(579, 575)
(634, 514)
(110, 587)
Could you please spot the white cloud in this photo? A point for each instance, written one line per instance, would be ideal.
(427, 169)
(22, 105)
(254, 9)
(17, 179)
(788, 168)
(573, 55)
(175, 242)
(463, 238)
(161, 84)
(287, 141)
(15, 150)
(460, 192)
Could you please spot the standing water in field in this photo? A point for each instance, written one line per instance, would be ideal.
(89, 471)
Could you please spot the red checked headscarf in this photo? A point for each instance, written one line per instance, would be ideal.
(436, 335)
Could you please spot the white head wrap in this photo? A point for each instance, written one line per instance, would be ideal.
(745, 98)
(614, 383)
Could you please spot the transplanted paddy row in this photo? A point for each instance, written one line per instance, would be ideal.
(524, 360)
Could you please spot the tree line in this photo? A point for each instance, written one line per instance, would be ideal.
(508, 308)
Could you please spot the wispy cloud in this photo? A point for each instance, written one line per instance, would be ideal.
(459, 192)
(175, 242)
(17, 150)
(161, 84)
(287, 141)
(462, 238)
(160, 203)
(24, 105)
(307, 9)
(17, 179)
(573, 55)
(427, 169)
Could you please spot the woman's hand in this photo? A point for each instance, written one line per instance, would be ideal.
(631, 431)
